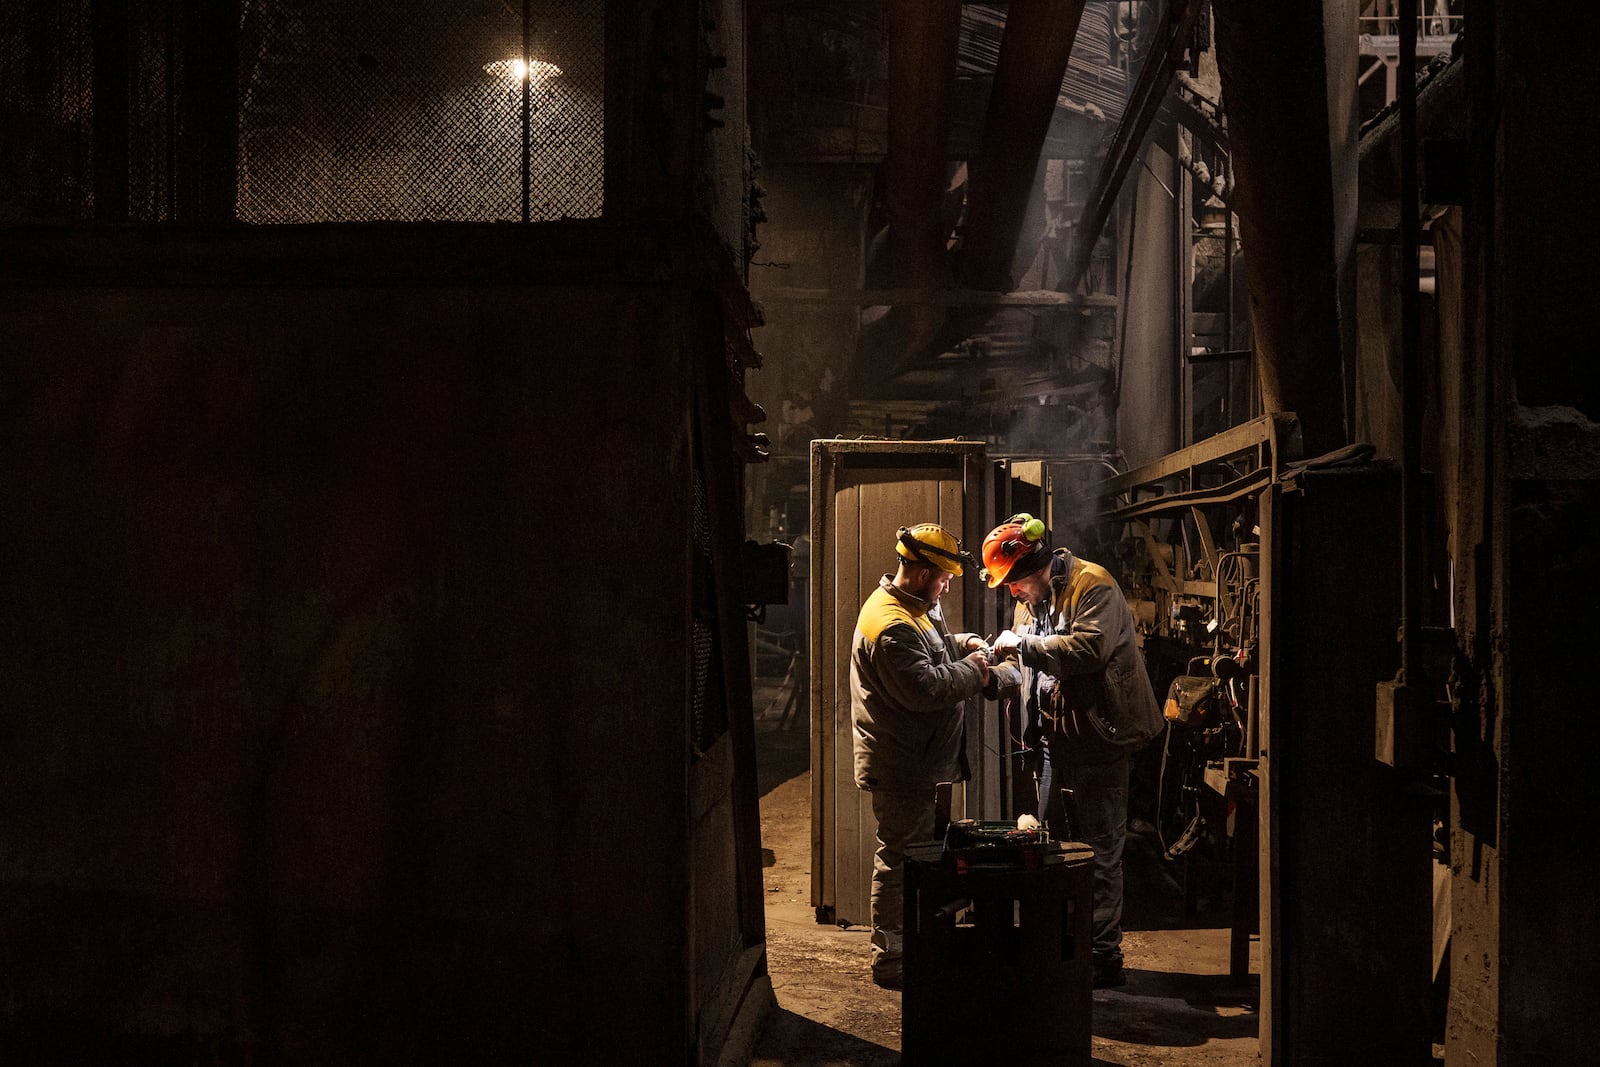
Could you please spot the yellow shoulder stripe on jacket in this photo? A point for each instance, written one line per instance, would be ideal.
(882, 611)
(1084, 577)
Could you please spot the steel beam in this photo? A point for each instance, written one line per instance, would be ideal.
(934, 297)
(1226, 493)
(108, 21)
(1033, 59)
(1279, 431)
(922, 38)
(1149, 91)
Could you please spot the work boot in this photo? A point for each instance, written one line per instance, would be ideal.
(888, 977)
(1109, 975)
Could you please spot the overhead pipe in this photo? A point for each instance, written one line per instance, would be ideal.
(1034, 51)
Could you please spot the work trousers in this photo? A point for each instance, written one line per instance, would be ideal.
(903, 818)
(1100, 808)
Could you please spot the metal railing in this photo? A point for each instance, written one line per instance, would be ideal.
(1438, 29)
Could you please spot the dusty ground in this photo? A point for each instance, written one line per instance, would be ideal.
(1178, 1008)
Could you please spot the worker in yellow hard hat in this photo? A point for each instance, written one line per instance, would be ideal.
(909, 677)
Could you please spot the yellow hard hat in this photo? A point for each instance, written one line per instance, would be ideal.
(931, 544)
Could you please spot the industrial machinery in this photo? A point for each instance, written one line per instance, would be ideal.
(1183, 536)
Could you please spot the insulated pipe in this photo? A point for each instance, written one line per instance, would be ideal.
(1027, 82)
(1217, 183)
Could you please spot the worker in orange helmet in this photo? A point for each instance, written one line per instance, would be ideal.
(909, 677)
(1086, 695)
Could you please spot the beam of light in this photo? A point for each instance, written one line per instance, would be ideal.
(517, 69)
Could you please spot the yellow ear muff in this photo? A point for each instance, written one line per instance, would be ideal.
(1032, 528)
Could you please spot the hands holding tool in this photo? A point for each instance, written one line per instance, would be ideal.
(1000, 671)
(979, 658)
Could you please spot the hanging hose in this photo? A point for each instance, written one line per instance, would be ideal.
(1191, 833)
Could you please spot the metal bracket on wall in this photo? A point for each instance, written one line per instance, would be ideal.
(1266, 444)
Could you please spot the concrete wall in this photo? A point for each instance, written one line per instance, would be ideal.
(813, 239)
(330, 735)
(724, 185)
(1345, 913)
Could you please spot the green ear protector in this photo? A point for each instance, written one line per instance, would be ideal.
(1032, 531)
(1032, 528)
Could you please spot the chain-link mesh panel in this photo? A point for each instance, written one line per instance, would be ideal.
(156, 71)
(708, 707)
(46, 110)
(703, 644)
(348, 109)
(414, 111)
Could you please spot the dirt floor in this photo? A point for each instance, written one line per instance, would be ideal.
(1178, 1008)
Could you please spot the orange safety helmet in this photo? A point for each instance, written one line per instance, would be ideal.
(1014, 549)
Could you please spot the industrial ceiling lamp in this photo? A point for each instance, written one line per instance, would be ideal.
(516, 70)
(525, 73)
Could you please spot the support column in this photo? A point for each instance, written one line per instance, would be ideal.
(207, 177)
(1289, 83)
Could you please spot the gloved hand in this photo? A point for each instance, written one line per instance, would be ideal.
(1005, 677)
(1007, 643)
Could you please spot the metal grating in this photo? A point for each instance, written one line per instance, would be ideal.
(708, 706)
(46, 111)
(414, 111)
(156, 72)
(347, 110)
(703, 640)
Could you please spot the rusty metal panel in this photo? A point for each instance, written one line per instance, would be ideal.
(862, 492)
(1346, 905)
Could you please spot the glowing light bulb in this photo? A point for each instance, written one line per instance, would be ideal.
(518, 69)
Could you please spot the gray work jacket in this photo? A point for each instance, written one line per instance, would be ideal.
(1085, 674)
(908, 681)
